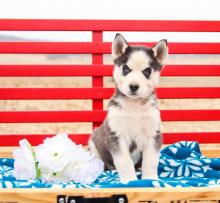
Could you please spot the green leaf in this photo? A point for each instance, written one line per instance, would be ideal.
(38, 172)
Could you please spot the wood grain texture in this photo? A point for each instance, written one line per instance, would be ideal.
(161, 195)
(209, 150)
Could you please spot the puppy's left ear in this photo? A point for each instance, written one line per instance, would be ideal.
(161, 51)
(119, 46)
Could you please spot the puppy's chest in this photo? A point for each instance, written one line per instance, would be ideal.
(134, 122)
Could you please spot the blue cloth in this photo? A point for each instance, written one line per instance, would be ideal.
(181, 165)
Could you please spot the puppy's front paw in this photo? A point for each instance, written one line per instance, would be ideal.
(150, 176)
(125, 180)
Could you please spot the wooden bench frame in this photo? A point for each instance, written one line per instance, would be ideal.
(97, 94)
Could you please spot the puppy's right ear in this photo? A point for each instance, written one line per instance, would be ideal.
(119, 46)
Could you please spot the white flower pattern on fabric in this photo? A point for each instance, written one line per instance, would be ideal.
(194, 165)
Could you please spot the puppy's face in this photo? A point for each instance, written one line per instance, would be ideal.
(137, 68)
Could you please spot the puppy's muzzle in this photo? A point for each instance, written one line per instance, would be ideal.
(133, 88)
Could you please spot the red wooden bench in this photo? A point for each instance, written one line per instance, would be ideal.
(98, 93)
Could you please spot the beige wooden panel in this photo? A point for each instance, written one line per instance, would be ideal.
(209, 150)
(134, 195)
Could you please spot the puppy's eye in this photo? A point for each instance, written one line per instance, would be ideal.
(147, 72)
(126, 70)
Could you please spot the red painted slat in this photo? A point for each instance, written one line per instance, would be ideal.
(50, 116)
(36, 139)
(55, 70)
(103, 93)
(188, 92)
(191, 70)
(98, 116)
(97, 81)
(99, 70)
(168, 138)
(190, 115)
(109, 25)
(99, 48)
(55, 93)
(201, 137)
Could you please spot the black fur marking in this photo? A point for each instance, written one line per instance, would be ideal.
(138, 164)
(158, 140)
(132, 146)
(154, 103)
(160, 50)
(106, 142)
(122, 60)
(114, 103)
(147, 72)
(119, 46)
(165, 40)
(126, 70)
(112, 141)
(119, 94)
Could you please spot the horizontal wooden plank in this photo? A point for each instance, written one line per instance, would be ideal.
(99, 70)
(159, 195)
(210, 150)
(103, 93)
(201, 137)
(188, 92)
(55, 70)
(51, 116)
(109, 25)
(168, 138)
(98, 116)
(6, 152)
(36, 139)
(55, 93)
(99, 47)
(190, 115)
(191, 70)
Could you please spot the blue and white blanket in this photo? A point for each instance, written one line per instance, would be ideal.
(181, 165)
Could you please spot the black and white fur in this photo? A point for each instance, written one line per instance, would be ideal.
(130, 135)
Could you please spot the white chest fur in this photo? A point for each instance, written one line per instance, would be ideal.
(134, 121)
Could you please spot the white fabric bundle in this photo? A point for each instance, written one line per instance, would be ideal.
(58, 159)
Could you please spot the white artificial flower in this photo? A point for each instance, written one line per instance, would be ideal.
(58, 159)
(88, 172)
(24, 165)
(54, 155)
(84, 168)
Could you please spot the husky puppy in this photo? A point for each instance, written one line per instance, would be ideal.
(130, 135)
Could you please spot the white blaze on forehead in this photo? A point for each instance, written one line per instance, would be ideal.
(138, 60)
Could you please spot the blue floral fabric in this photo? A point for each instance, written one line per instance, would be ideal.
(181, 165)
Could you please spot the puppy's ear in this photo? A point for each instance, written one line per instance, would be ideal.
(119, 46)
(161, 51)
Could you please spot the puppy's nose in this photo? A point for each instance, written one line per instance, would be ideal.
(134, 87)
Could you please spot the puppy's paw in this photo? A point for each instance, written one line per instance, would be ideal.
(125, 180)
(150, 176)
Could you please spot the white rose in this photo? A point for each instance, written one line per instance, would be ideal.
(24, 165)
(54, 155)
